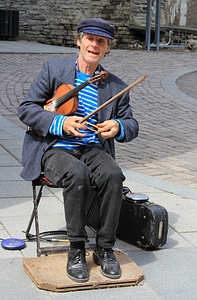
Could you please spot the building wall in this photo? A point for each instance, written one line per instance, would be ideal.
(55, 21)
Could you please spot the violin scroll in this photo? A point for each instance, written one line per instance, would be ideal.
(97, 78)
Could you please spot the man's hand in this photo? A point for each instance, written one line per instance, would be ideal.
(72, 126)
(108, 129)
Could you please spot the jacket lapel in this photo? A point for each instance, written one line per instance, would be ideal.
(67, 74)
(104, 95)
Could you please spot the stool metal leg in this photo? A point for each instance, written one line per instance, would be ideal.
(37, 199)
(36, 203)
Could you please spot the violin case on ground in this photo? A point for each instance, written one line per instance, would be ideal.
(141, 223)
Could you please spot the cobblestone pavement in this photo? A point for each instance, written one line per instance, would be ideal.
(167, 144)
(187, 84)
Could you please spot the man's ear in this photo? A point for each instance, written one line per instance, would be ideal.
(78, 42)
(108, 50)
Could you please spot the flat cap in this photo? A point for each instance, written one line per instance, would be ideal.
(97, 26)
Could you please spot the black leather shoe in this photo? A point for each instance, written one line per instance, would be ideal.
(76, 267)
(110, 267)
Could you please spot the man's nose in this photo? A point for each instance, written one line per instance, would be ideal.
(95, 43)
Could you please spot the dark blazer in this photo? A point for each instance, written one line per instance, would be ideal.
(54, 73)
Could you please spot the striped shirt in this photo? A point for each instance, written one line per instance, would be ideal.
(87, 102)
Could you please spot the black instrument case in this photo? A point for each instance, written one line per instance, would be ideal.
(141, 222)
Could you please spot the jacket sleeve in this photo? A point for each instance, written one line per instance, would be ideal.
(31, 110)
(118, 109)
(125, 115)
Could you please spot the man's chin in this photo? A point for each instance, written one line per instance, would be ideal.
(93, 61)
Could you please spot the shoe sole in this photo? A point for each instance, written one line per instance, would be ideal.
(96, 260)
(77, 279)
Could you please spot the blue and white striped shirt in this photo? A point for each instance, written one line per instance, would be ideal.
(87, 102)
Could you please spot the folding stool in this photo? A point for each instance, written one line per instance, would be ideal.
(37, 187)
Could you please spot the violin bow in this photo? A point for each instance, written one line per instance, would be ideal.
(129, 87)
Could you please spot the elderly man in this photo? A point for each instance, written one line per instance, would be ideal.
(74, 157)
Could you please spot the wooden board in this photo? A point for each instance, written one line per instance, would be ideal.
(49, 273)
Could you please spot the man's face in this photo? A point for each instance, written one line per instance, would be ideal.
(92, 48)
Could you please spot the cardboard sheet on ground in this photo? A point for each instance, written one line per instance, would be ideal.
(49, 273)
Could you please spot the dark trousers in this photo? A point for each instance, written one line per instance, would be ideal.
(87, 172)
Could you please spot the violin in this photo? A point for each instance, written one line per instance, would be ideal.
(65, 99)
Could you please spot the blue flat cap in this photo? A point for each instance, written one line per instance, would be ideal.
(97, 26)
